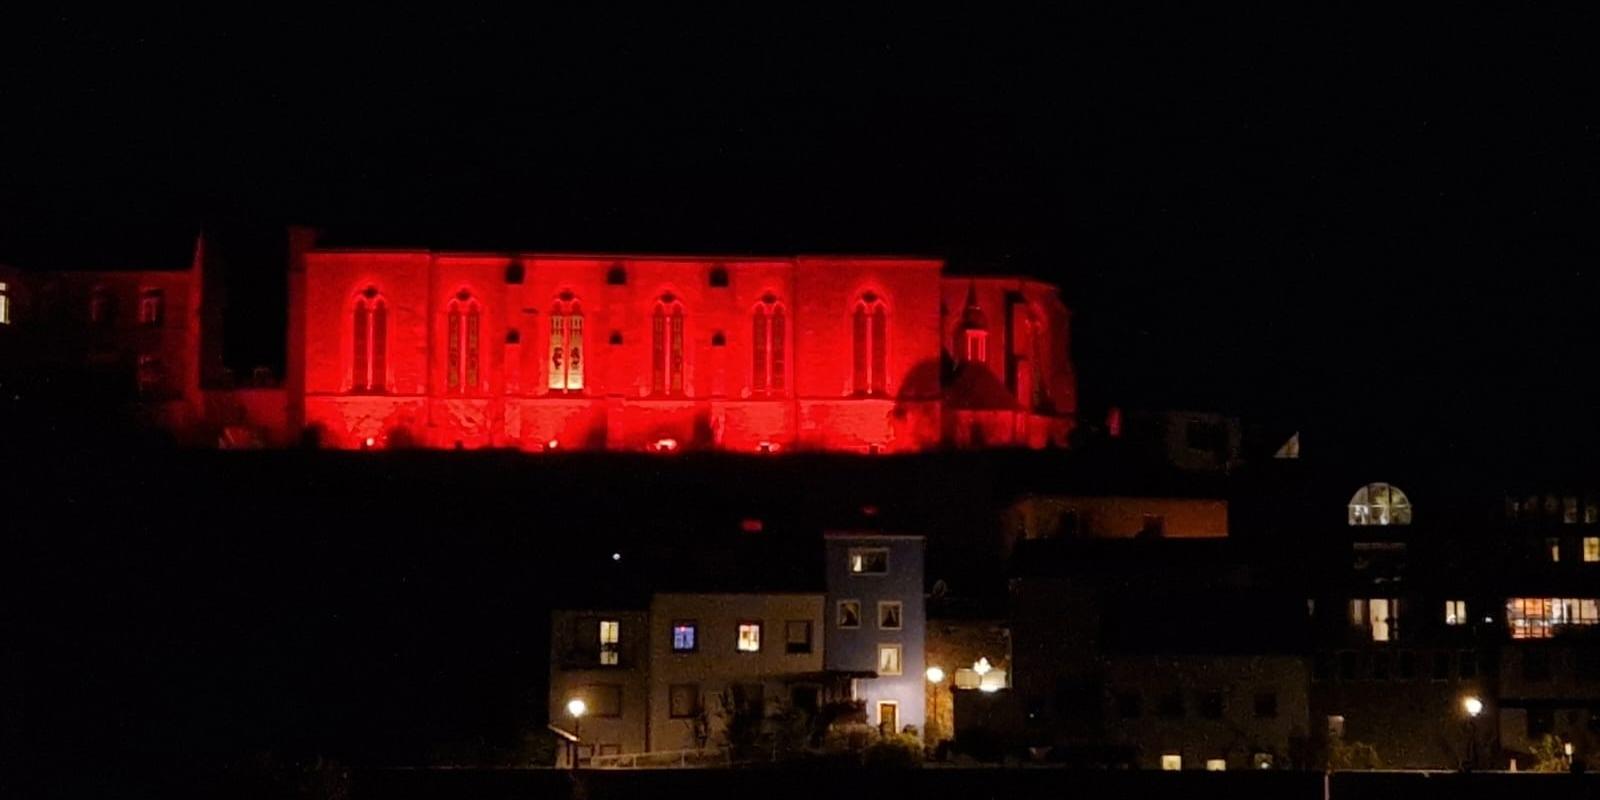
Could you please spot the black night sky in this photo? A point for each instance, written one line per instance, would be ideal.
(1368, 220)
(1376, 228)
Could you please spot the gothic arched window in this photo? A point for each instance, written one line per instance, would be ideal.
(767, 347)
(370, 327)
(1380, 504)
(566, 344)
(666, 347)
(461, 370)
(870, 326)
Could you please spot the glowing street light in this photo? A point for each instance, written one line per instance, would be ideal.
(1473, 706)
(576, 707)
(935, 677)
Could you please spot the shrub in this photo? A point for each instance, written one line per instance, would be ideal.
(893, 751)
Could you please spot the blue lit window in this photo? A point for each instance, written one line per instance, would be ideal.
(683, 637)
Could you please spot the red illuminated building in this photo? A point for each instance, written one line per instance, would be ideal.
(420, 348)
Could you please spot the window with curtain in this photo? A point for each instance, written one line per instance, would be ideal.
(566, 345)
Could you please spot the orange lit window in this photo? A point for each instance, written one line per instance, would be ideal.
(749, 637)
(370, 337)
(566, 345)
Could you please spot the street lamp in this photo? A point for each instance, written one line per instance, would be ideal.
(1473, 706)
(935, 677)
(576, 707)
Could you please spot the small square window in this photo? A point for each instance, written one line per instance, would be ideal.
(797, 636)
(749, 637)
(683, 700)
(1171, 762)
(889, 615)
(1455, 612)
(869, 561)
(603, 699)
(1171, 705)
(1129, 705)
(684, 636)
(1336, 726)
(1267, 704)
(1591, 548)
(888, 659)
(849, 613)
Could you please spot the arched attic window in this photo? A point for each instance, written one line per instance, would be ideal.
(1380, 504)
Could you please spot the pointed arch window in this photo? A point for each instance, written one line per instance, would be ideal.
(666, 347)
(870, 326)
(566, 344)
(151, 307)
(370, 327)
(769, 347)
(462, 373)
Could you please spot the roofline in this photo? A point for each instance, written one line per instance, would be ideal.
(629, 256)
(847, 535)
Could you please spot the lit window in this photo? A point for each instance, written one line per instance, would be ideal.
(1539, 617)
(566, 345)
(1380, 614)
(5, 304)
(767, 348)
(461, 370)
(849, 613)
(749, 637)
(683, 700)
(1554, 546)
(1171, 762)
(888, 659)
(1455, 612)
(797, 636)
(1591, 548)
(370, 338)
(666, 347)
(869, 356)
(150, 307)
(869, 561)
(1261, 760)
(1216, 765)
(610, 633)
(1336, 726)
(683, 637)
(889, 615)
(1380, 504)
